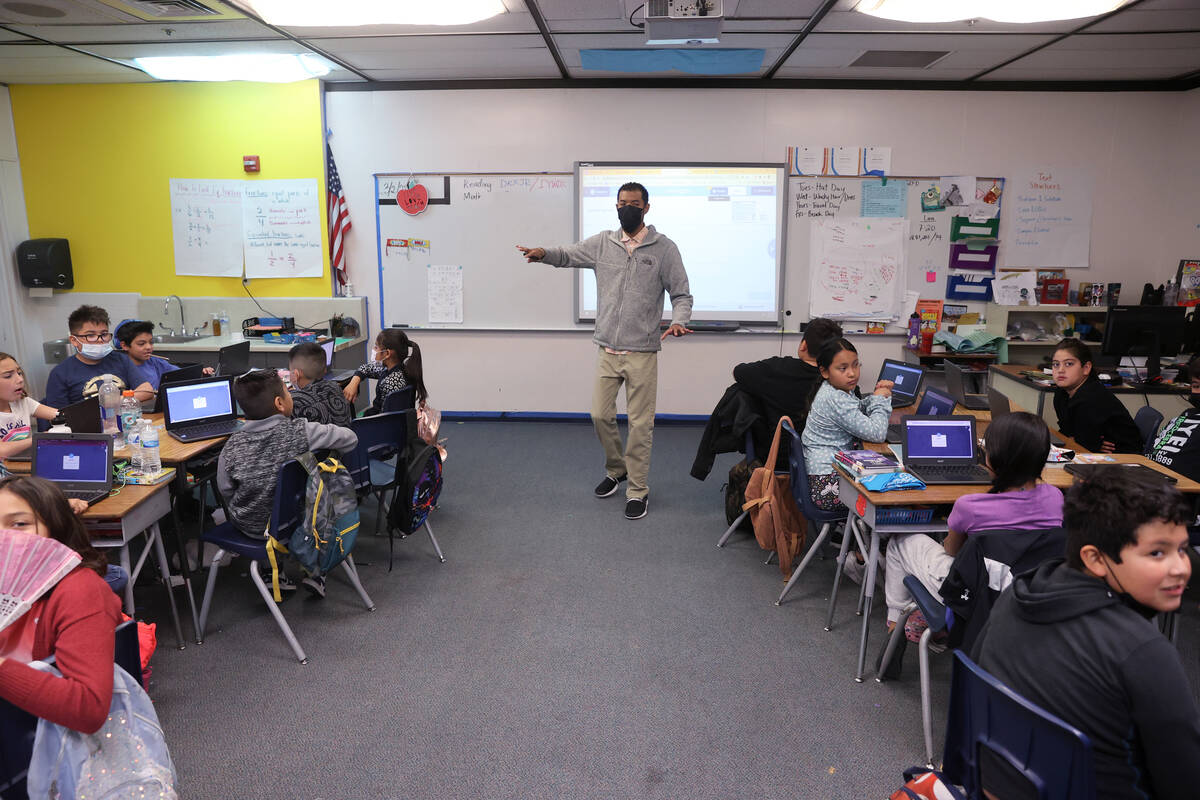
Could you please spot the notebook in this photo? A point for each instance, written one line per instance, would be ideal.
(956, 386)
(200, 409)
(234, 359)
(998, 402)
(940, 449)
(79, 463)
(188, 373)
(906, 381)
(932, 402)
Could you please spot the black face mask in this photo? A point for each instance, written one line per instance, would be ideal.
(631, 218)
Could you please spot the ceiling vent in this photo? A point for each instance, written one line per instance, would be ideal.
(900, 59)
(683, 21)
(173, 10)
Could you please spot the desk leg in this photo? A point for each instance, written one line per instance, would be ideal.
(868, 597)
(164, 566)
(184, 567)
(128, 567)
(847, 533)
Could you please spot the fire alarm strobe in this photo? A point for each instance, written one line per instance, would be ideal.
(250, 163)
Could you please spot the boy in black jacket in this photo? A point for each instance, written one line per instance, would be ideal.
(1077, 638)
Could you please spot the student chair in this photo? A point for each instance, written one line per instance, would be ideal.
(815, 516)
(286, 513)
(1035, 547)
(749, 447)
(19, 726)
(995, 738)
(401, 400)
(1148, 419)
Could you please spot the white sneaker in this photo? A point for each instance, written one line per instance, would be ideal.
(854, 570)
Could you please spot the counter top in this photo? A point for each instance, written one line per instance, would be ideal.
(211, 344)
(1014, 371)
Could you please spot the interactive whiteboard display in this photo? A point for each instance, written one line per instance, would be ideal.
(726, 219)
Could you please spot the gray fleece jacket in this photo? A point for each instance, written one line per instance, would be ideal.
(630, 287)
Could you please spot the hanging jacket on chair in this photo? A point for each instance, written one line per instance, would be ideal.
(726, 429)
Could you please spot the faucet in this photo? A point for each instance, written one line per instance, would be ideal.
(166, 305)
(196, 330)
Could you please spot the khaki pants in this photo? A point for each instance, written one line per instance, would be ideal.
(639, 373)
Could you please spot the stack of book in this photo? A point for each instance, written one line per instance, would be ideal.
(866, 462)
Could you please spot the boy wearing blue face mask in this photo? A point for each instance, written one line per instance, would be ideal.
(94, 361)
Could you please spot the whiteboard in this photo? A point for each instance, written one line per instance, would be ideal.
(475, 221)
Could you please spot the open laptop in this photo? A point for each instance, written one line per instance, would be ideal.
(906, 381)
(84, 416)
(1084, 470)
(234, 359)
(79, 463)
(955, 384)
(932, 402)
(940, 449)
(200, 409)
(998, 401)
(189, 373)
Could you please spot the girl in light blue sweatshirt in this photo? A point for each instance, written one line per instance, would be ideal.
(838, 419)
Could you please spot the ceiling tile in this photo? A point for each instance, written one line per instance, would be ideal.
(512, 22)
(403, 44)
(1142, 57)
(151, 31)
(860, 73)
(467, 72)
(855, 21)
(966, 51)
(621, 41)
(469, 63)
(1153, 15)
(149, 49)
(64, 12)
(48, 64)
(791, 9)
(606, 10)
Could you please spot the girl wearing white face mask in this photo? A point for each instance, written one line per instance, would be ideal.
(396, 364)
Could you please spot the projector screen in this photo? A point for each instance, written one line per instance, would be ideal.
(727, 220)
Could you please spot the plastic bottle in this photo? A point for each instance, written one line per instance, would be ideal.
(133, 442)
(129, 411)
(914, 331)
(110, 400)
(216, 324)
(1170, 294)
(151, 461)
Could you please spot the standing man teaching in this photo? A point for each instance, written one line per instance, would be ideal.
(633, 266)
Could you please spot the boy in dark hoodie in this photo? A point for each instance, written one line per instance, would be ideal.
(1076, 637)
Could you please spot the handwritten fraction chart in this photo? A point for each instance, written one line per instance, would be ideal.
(282, 224)
(206, 222)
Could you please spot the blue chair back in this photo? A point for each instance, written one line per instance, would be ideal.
(290, 494)
(1147, 420)
(378, 436)
(993, 734)
(401, 400)
(799, 478)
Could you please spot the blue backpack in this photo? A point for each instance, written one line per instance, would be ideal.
(326, 534)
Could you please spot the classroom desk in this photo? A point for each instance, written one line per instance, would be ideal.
(865, 506)
(1170, 399)
(117, 519)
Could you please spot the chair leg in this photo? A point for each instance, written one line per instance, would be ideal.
(352, 573)
(926, 699)
(770, 558)
(729, 531)
(208, 589)
(812, 550)
(837, 571)
(273, 607)
(894, 639)
(434, 541)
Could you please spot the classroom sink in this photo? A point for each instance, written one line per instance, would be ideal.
(176, 338)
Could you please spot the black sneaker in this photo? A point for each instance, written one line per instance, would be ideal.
(635, 508)
(315, 585)
(608, 486)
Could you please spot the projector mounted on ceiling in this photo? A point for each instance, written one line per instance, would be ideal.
(683, 21)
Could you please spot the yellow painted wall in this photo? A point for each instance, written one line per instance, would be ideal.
(96, 160)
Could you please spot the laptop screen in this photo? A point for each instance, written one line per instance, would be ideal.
(72, 460)
(328, 348)
(939, 438)
(934, 402)
(198, 401)
(906, 377)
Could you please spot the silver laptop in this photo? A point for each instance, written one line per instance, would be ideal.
(200, 409)
(956, 385)
(79, 463)
(932, 402)
(940, 449)
(998, 401)
(906, 381)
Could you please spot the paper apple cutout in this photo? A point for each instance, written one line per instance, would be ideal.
(413, 200)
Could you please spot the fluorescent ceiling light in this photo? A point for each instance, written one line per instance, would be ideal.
(262, 67)
(345, 13)
(1019, 11)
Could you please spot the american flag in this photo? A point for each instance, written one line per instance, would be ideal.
(339, 222)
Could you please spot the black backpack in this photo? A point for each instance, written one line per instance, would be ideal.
(735, 492)
(419, 488)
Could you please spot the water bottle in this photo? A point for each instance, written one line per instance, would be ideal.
(129, 412)
(110, 399)
(151, 463)
(133, 442)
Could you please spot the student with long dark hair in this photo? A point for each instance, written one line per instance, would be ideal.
(395, 363)
(74, 622)
(1016, 447)
(838, 419)
(1087, 411)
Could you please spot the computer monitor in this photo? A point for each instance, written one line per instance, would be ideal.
(1151, 331)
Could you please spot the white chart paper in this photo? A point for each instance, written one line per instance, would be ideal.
(445, 292)
(282, 223)
(206, 224)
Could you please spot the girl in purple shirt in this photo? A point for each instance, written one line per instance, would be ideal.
(1016, 449)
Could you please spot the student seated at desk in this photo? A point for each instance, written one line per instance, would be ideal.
(1177, 446)
(1077, 637)
(74, 622)
(251, 458)
(16, 409)
(396, 363)
(314, 398)
(1016, 448)
(838, 419)
(94, 361)
(1087, 411)
(136, 337)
